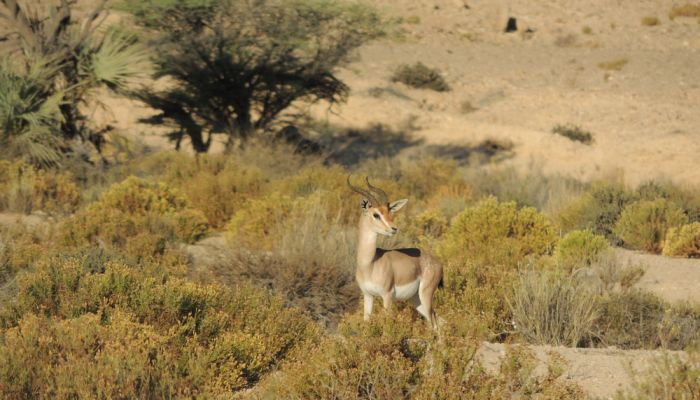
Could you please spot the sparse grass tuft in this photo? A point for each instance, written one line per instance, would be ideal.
(614, 65)
(553, 309)
(574, 133)
(687, 10)
(413, 20)
(420, 76)
(650, 21)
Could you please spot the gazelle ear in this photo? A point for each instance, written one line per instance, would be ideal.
(365, 204)
(396, 206)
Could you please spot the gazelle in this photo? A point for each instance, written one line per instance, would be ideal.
(399, 274)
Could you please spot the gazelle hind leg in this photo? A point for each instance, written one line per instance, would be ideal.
(369, 302)
(426, 301)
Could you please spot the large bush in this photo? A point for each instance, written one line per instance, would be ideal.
(643, 224)
(496, 234)
(86, 329)
(481, 251)
(683, 241)
(579, 249)
(136, 216)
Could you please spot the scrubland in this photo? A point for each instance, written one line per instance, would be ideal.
(129, 270)
(104, 289)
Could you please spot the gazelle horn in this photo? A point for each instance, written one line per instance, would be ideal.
(369, 196)
(380, 192)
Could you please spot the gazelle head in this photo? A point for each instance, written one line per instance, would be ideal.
(377, 211)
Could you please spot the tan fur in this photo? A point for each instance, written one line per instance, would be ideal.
(394, 273)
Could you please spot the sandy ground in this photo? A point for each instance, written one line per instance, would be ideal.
(644, 116)
(600, 372)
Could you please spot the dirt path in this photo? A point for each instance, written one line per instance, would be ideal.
(673, 279)
(600, 372)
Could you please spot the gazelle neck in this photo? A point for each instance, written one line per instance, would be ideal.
(366, 245)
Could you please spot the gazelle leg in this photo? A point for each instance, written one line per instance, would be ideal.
(426, 301)
(369, 301)
(418, 305)
(387, 300)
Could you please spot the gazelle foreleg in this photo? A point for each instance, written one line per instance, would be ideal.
(369, 302)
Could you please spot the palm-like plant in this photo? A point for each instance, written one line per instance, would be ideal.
(53, 63)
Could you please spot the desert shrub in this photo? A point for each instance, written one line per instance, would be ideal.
(574, 133)
(650, 21)
(634, 319)
(216, 185)
(683, 241)
(671, 376)
(613, 65)
(580, 249)
(138, 216)
(420, 76)
(254, 226)
(311, 264)
(423, 177)
(425, 226)
(687, 10)
(496, 234)
(643, 224)
(611, 275)
(686, 198)
(553, 309)
(389, 358)
(24, 188)
(597, 210)
(202, 340)
(481, 251)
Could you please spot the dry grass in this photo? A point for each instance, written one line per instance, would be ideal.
(553, 310)
(420, 76)
(573, 132)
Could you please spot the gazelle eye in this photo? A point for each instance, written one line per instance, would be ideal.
(376, 216)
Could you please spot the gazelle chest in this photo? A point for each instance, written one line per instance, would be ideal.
(399, 292)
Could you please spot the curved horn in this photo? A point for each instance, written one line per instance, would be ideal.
(380, 192)
(363, 192)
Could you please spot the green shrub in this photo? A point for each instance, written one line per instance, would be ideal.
(496, 234)
(141, 217)
(643, 224)
(481, 251)
(420, 76)
(683, 241)
(580, 249)
(669, 377)
(574, 133)
(553, 310)
(597, 210)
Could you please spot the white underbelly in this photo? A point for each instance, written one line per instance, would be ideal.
(405, 292)
(401, 292)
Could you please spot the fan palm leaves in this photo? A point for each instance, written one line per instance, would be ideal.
(56, 64)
